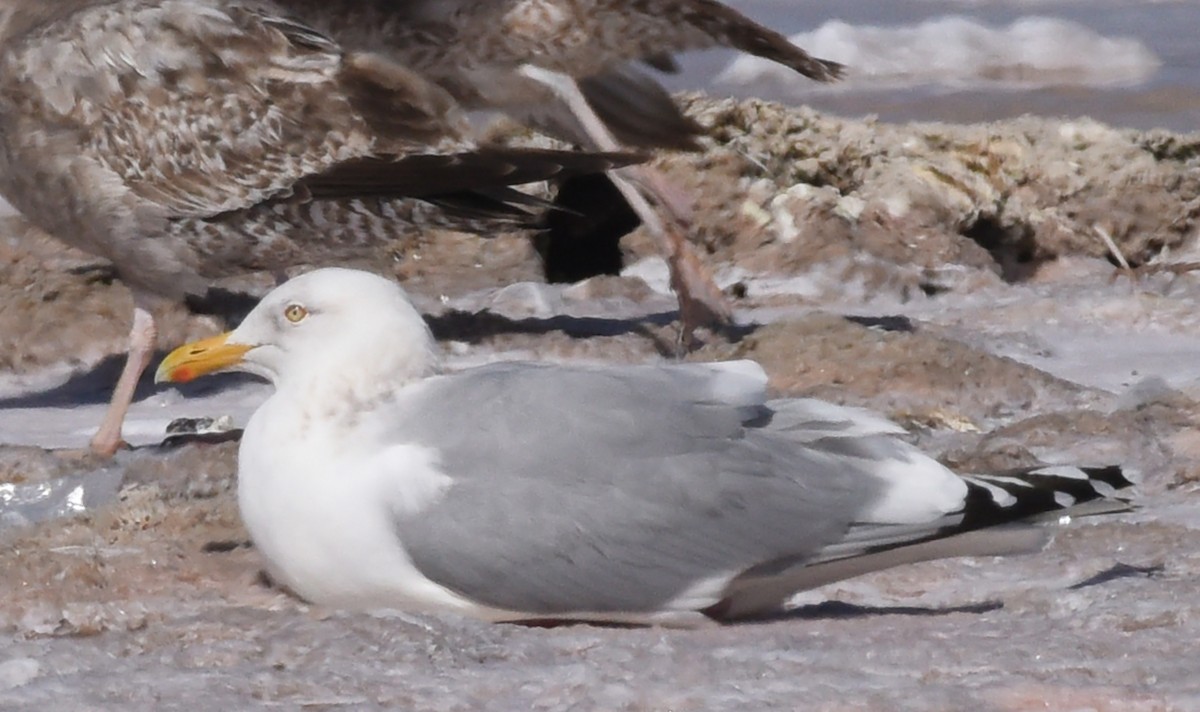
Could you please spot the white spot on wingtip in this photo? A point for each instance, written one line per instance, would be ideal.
(1000, 496)
(1066, 471)
(75, 500)
(1015, 481)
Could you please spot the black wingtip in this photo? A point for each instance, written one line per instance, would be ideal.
(1028, 493)
(1112, 475)
(228, 305)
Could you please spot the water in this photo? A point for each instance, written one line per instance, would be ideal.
(1124, 62)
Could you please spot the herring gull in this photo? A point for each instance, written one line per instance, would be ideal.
(566, 67)
(518, 491)
(189, 141)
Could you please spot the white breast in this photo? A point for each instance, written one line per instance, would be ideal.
(322, 517)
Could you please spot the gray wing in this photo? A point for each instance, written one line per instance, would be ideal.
(606, 490)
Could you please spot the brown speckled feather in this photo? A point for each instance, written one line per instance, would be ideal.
(472, 48)
(175, 137)
(577, 37)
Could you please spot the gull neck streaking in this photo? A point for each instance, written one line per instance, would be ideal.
(530, 492)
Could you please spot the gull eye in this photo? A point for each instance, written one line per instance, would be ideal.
(295, 313)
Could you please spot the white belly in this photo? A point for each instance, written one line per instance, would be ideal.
(324, 524)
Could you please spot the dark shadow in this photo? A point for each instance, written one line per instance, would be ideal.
(1119, 571)
(96, 273)
(891, 322)
(475, 327)
(172, 442)
(583, 238)
(829, 610)
(225, 546)
(96, 385)
(231, 307)
(839, 610)
(1013, 247)
(547, 623)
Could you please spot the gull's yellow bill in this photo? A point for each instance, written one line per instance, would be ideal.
(200, 358)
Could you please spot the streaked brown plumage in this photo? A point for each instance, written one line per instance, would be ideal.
(189, 140)
(474, 49)
(563, 66)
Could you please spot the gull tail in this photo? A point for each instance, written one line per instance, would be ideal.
(998, 518)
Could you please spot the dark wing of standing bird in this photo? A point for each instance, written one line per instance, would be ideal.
(189, 141)
(143, 132)
(475, 49)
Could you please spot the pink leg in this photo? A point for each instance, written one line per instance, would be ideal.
(675, 201)
(701, 301)
(142, 339)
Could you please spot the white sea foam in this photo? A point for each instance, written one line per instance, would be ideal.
(961, 52)
(1058, 2)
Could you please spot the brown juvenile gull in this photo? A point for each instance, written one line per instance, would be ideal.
(519, 491)
(563, 66)
(188, 141)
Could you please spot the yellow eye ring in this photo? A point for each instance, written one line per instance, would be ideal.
(294, 313)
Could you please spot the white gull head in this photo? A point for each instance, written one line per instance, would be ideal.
(328, 330)
(336, 320)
